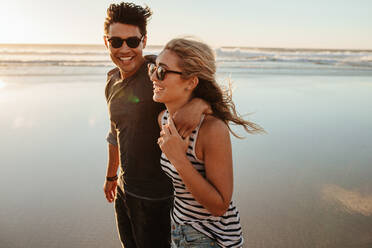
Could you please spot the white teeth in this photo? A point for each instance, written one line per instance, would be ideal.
(157, 88)
(125, 58)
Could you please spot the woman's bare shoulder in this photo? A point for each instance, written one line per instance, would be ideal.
(213, 126)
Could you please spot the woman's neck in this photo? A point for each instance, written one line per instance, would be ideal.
(173, 107)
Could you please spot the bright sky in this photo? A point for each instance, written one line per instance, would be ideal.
(264, 23)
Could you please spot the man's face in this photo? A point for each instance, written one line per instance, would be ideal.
(127, 59)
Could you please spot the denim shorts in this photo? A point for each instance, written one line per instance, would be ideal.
(186, 236)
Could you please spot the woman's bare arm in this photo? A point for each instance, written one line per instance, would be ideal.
(215, 191)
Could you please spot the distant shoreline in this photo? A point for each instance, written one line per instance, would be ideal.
(289, 49)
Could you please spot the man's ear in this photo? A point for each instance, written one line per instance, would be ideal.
(144, 42)
(105, 40)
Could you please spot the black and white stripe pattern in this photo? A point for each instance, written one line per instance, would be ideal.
(226, 229)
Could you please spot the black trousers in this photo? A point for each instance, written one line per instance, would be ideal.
(143, 223)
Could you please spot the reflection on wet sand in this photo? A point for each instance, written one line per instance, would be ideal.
(353, 201)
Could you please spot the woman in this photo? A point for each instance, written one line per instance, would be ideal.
(200, 165)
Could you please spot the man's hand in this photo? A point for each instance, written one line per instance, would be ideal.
(110, 190)
(112, 167)
(188, 117)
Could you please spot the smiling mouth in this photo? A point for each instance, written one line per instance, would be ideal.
(157, 89)
(125, 59)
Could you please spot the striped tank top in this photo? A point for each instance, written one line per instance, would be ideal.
(225, 229)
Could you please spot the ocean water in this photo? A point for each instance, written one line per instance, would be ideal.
(306, 183)
(64, 59)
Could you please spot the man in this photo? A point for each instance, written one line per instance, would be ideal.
(143, 194)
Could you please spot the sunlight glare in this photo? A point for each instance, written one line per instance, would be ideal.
(2, 84)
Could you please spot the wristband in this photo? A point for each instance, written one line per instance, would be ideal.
(112, 178)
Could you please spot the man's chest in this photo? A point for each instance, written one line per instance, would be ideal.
(132, 106)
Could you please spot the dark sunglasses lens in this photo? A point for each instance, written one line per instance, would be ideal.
(116, 42)
(133, 42)
(160, 73)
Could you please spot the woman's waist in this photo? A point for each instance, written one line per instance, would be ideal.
(189, 208)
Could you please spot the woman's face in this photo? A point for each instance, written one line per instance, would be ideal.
(172, 87)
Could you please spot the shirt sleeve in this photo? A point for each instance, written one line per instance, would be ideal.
(112, 135)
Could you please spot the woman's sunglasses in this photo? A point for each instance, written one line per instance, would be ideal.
(132, 42)
(160, 71)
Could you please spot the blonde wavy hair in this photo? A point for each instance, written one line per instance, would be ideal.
(197, 59)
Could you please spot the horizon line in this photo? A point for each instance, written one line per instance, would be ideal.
(224, 46)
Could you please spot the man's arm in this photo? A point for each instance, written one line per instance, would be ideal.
(112, 167)
(188, 117)
(109, 187)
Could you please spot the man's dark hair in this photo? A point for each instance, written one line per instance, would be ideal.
(128, 13)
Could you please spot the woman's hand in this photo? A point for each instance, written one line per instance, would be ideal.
(171, 143)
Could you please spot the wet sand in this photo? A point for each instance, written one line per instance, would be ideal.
(306, 183)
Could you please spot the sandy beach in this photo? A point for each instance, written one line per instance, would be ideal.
(306, 183)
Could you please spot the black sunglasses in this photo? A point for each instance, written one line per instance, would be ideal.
(132, 42)
(160, 71)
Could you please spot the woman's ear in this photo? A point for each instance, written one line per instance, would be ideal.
(192, 83)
